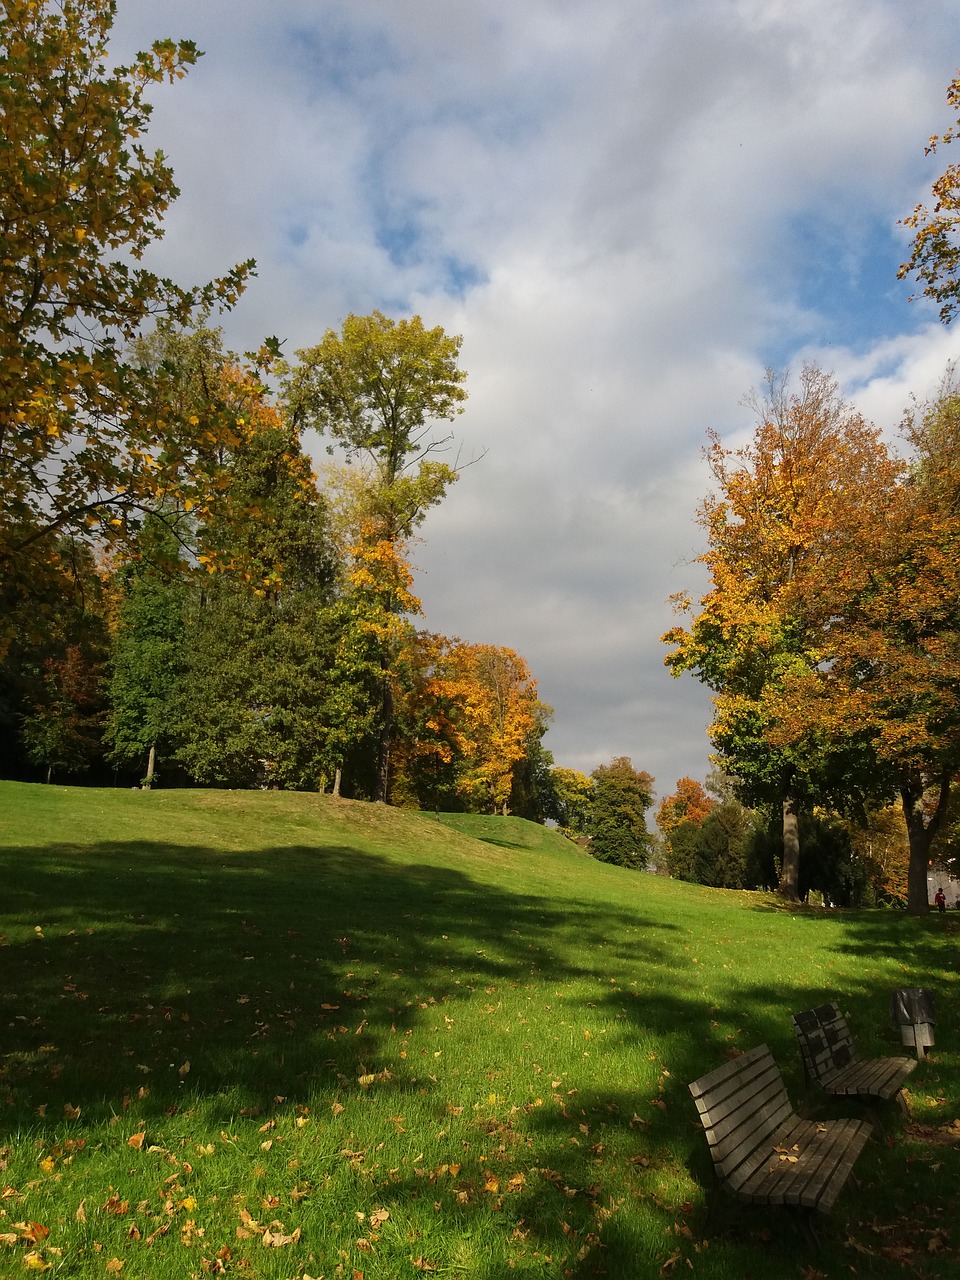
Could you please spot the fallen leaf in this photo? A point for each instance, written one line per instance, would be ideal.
(33, 1261)
(71, 1112)
(136, 1141)
(182, 1071)
(378, 1218)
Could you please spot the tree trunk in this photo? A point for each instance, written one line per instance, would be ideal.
(336, 783)
(386, 733)
(151, 767)
(789, 885)
(49, 773)
(920, 832)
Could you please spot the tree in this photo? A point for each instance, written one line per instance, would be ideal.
(790, 535)
(935, 254)
(689, 803)
(714, 850)
(63, 730)
(619, 800)
(148, 650)
(473, 715)
(80, 201)
(376, 390)
(571, 800)
(258, 649)
(896, 660)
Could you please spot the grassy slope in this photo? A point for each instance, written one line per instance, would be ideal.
(315, 1010)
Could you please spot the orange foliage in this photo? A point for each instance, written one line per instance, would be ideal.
(689, 803)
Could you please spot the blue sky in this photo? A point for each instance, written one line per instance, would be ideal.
(627, 211)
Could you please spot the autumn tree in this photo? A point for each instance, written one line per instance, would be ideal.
(377, 390)
(935, 253)
(80, 201)
(896, 659)
(475, 711)
(62, 730)
(689, 803)
(798, 513)
(619, 799)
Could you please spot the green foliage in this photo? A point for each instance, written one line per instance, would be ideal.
(148, 657)
(375, 389)
(570, 799)
(717, 850)
(619, 800)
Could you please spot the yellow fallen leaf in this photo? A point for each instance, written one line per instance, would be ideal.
(33, 1261)
(136, 1141)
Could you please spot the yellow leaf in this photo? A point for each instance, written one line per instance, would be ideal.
(33, 1261)
(136, 1141)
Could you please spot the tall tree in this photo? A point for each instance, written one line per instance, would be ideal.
(935, 254)
(377, 390)
(257, 655)
(798, 514)
(80, 201)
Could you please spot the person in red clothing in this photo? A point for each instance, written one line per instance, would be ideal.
(939, 900)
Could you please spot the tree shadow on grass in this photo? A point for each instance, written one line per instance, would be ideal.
(295, 972)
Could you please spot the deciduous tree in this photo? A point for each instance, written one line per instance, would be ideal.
(377, 390)
(619, 799)
(80, 201)
(791, 533)
(935, 253)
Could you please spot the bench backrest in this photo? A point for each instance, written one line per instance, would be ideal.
(825, 1040)
(740, 1105)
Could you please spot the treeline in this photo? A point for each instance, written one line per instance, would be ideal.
(707, 836)
(266, 637)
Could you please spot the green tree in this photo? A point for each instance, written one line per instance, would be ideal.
(620, 797)
(714, 850)
(80, 201)
(147, 658)
(570, 808)
(257, 652)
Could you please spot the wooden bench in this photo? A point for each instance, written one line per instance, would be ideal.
(762, 1151)
(831, 1061)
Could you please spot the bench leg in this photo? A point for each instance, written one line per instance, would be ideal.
(804, 1222)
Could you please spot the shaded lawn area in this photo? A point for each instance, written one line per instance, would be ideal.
(234, 1056)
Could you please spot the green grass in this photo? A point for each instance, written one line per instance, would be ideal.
(276, 1035)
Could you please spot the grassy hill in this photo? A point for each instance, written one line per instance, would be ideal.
(279, 1035)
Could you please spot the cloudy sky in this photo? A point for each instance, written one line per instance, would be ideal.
(628, 208)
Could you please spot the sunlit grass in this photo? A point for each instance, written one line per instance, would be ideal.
(261, 1034)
